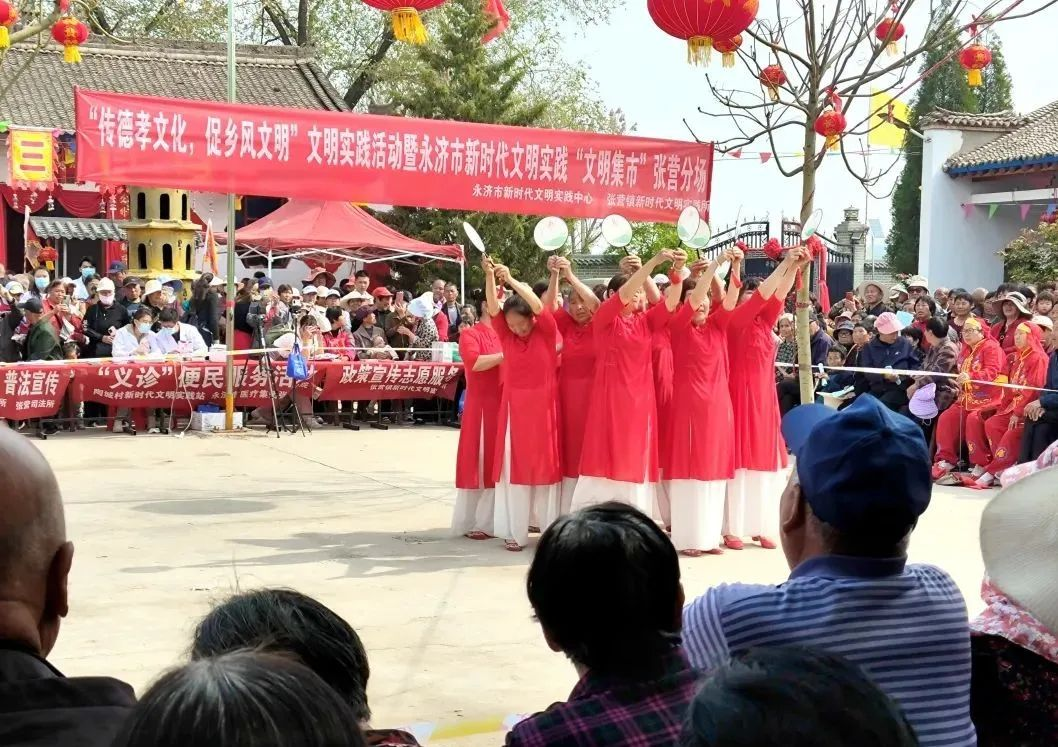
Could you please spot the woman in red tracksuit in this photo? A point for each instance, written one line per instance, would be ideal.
(995, 442)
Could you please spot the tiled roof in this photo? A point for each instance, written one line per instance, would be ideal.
(1033, 143)
(271, 75)
(1006, 120)
(76, 228)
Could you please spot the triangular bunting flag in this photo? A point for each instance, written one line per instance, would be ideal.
(992, 210)
(736, 153)
(765, 157)
(968, 210)
(1025, 211)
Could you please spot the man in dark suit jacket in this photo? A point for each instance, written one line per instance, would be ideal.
(39, 706)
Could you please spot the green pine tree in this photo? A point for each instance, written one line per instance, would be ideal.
(944, 89)
(461, 79)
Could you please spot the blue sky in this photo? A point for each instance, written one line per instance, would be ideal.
(644, 72)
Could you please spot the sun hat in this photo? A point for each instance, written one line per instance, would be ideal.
(1018, 300)
(896, 290)
(381, 292)
(661, 279)
(15, 288)
(861, 467)
(888, 324)
(331, 292)
(923, 404)
(1043, 321)
(1019, 528)
(883, 287)
(423, 306)
(105, 285)
(309, 290)
(153, 286)
(917, 281)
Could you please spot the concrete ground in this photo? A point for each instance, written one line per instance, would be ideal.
(164, 527)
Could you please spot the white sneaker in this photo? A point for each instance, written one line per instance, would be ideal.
(977, 472)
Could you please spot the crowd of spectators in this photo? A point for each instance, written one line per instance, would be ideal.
(948, 339)
(858, 647)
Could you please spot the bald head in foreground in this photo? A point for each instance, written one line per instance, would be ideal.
(38, 705)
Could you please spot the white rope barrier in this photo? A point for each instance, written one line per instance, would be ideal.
(915, 374)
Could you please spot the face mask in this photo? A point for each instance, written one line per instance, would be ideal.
(167, 331)
(143, 327)
(41, 283)
(106, 299)
(88, 272)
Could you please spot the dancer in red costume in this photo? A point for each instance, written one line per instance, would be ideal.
(529, 464)
(479, 348)
(982, 361)
(576, 370)
(760, 453)
(619, 459)
(697, 458)
(995, 442)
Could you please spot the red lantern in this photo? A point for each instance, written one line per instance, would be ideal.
(702, 22)
(1049, 218)
(8, 17)
(831, 123)
(47, 256)
(889, 32)
(728, 48)
(407, 25)
(71, 34)
(975, 58)
(771, 78)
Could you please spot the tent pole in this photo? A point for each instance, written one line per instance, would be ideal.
(462, 282)
(269, 263)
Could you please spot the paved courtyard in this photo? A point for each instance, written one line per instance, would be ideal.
(163, 527)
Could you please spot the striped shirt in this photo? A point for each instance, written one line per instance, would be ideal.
(905, 625)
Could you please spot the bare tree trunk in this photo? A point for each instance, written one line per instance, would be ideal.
(359, 87)
(303, 23)
(804, 342)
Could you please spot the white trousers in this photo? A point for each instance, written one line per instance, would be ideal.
(474, 512)
(697, 513)
(515, 503)
(591, 491)
(753, 504)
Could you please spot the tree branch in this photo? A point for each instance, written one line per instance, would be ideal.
(363, 82)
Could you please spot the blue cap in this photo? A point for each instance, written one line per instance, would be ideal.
(862, 467)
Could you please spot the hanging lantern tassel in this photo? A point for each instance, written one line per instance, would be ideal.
(771, 78)
(889, 32)
(699, 50)
(407, 26)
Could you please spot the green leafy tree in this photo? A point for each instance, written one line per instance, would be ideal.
(647, 240)
(1033, 256)
(944, 89)
(460, 79)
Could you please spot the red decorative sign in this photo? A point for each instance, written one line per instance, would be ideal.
(28, 391)
(369, 380)
(165, 385)
(215, 147)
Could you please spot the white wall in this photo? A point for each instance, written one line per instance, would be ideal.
(956, 251)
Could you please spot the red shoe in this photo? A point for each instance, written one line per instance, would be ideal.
(732, 543)
(700, 553)
(766, 543)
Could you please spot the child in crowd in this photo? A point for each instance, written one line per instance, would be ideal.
(384, 350)
(833, 380)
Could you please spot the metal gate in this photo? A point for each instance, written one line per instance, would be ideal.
(756, 233)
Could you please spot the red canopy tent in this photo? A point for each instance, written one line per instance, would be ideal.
(327, 232)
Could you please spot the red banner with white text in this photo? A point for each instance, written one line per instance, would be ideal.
(175, 384)
(369, 380)
(28, 392)
(299, 153)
